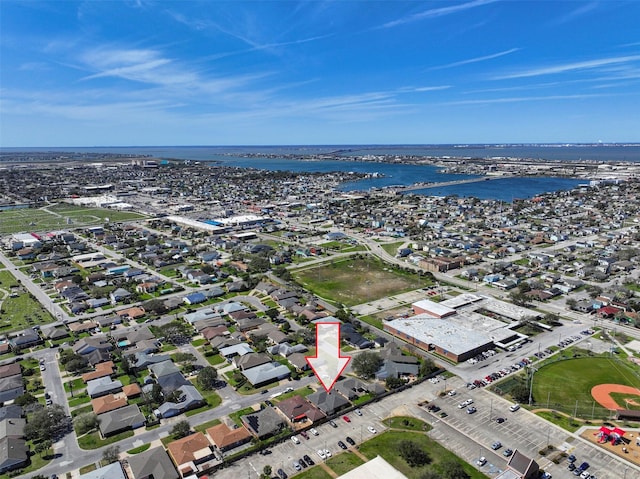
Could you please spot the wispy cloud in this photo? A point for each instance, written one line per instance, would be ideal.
(568, 67)
(437, 12)
(572, 15)
(489, 101)
(475, 60)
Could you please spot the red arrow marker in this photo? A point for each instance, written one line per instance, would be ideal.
(328, 364)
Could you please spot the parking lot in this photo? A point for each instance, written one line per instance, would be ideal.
(470, 436)
(521, 430)
(283, 455)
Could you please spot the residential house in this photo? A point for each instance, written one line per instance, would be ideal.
(298, 361)
(78, 327)
(328, 402)
(297, 409)
(103, 386)
(101, 370)
(187, 453)
(107, 403)
(250, 360)
(131, 313)
(110, 471)
(226, 438)
(194, 298)
(119, 295)
(266, 373)
(190, 398)
(128, 417)
(25, 339)
(14, 454)
(264, 423)
(152, 464)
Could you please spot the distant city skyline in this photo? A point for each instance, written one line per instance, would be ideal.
(110, 73)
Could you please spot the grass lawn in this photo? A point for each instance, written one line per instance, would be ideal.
(92, 440)
(88, 468)
(560, 420)
(55, 217)
(392, 248)
(37, 461)
(356, 281)
(372, 320)
(305, 391)
(316, 472)
(215, 359)
(213, 400)
(138, 450)
(235, 416)
(571, 380)
(408, 423)
(78, 400)
(343, 463)
(385, 445)
(627, 401)
(203, 427)
(7, 280)
(22, 312)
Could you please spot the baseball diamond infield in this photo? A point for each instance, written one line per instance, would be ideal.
(602, 394)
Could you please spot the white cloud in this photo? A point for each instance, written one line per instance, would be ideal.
(476, 59)
(490, 101)
(437, 12)
(567, 67)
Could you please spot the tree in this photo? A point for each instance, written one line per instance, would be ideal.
(25, 399)
(207, 378)
(155, 305)
(111, 454)
(452, 469)
(428, 366)
(366, 364)
(272, 313)
(126, 365)
(175, 332)
(76, 364)
(43, 446)
(394, 383)
(266, 472)
(47, 423)
(413, 454)
(86, 422)
(181, 429)
(156, 394)
(520, 393)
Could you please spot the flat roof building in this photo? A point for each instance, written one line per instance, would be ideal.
(376, 468)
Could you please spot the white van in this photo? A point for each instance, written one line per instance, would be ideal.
(514, 407)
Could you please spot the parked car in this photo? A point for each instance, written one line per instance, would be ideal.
(302, 463)
(571, 458)
(482, 461)
(358, 412)
(332, 424)
(327, 452)
(342, 445)
(346, 418)
(321, 453)
(308, 460)
(471, 410)
(350, 441)
(496, 445)
(295, 440)
(313, 431)
(371, 429)
(304, 434)
(514, 407)
(297, 466)
(282, 474)
(507, 452)
(500, 420)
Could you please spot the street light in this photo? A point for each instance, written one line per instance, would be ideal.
(533, 371)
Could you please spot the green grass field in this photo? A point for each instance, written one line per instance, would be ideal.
(356, 281)
(385, 445)
(60, 216)
(343, 463)
(566, 385)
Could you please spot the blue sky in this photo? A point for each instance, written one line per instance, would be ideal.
(109, 73)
